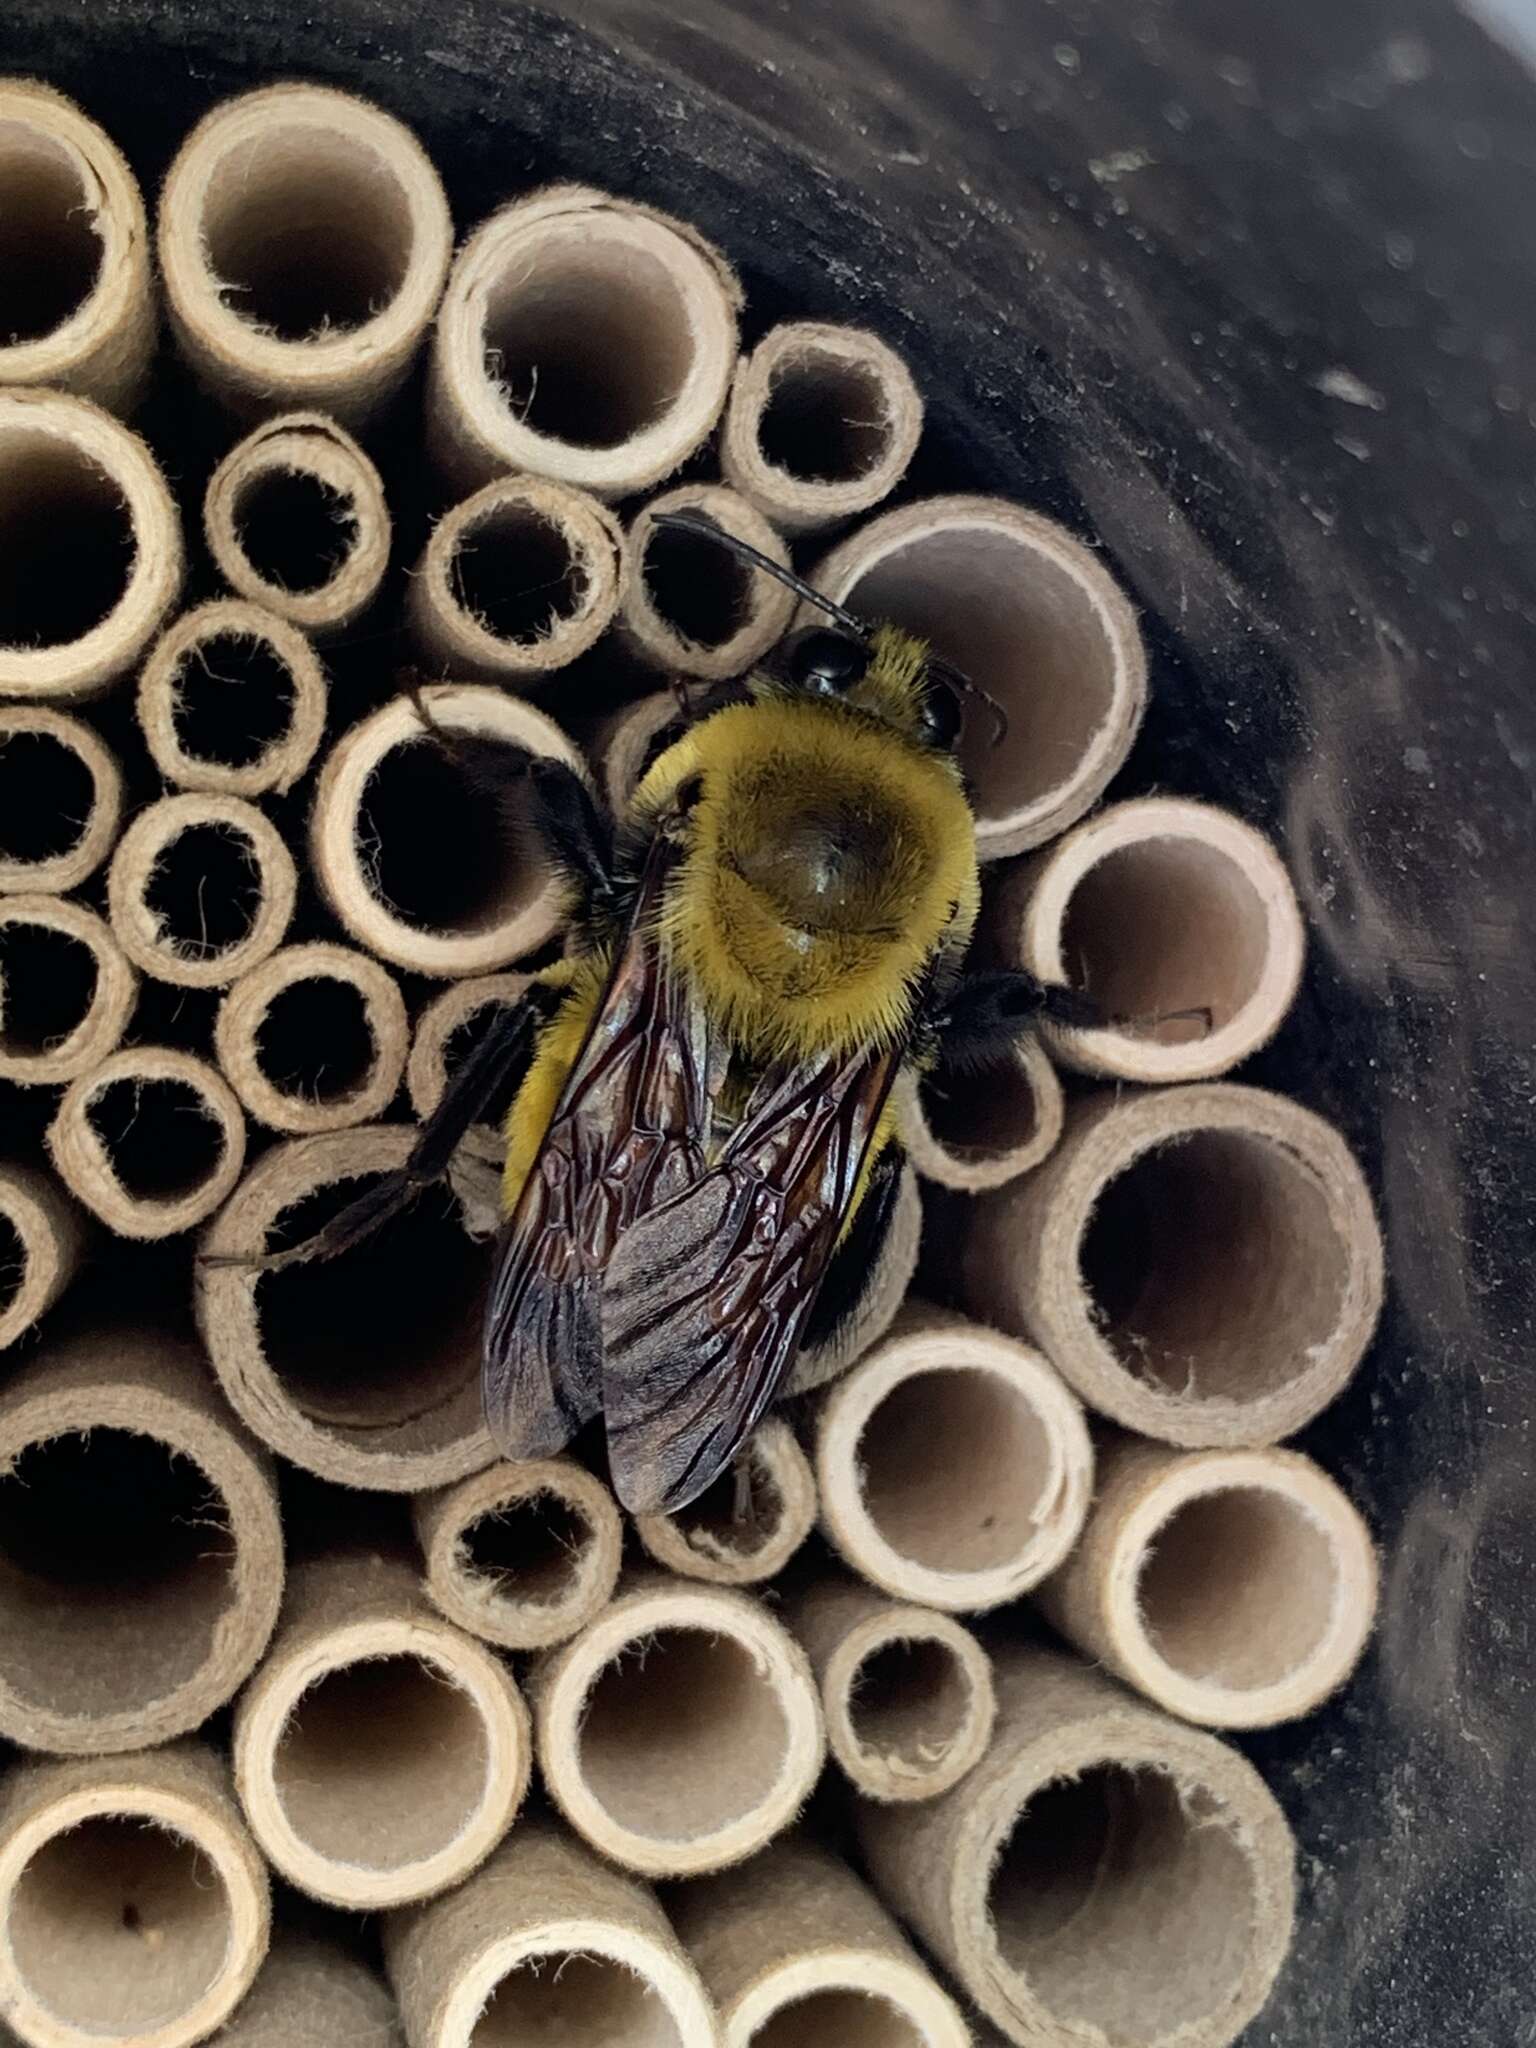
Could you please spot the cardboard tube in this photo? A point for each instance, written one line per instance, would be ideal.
(61, 800)
(1032, 617)
(681, 1730)
(420, 868)
(304, 238)
(1157, 908)
(42, 1238)
(983, 1128)
(296, 521)
(314, 1038)
(134, 1907)
(1235, 1588)
(1105, 1872)
(627, 743)
(545, 1944)
(709, 1540)
(151, 1141)
(907, 1692)
(74, 247)
(66, 991)
(581, 338)
(200, 889)
(954, 1467)
(90, 546)
(881, 1302)
(365, 1368)
(1202, 1264)
(380, 1754)
(524, 1555)
(821, 424)
(517, 581)
(797, 1953)
(690, 609)
(232, 698)
(310, 1993)
(446, 1032)
(143, 1559)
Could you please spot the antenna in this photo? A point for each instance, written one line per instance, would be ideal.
(704, 528)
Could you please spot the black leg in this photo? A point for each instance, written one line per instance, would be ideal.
(853, 1265)
(986, 1012)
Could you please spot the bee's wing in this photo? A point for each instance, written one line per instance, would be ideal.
(707, 1294)
(626, 1134)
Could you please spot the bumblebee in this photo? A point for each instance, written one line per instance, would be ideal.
(701, 1153)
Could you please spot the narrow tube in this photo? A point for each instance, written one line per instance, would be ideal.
(821, 424)
(134, 1906)
(523, 1555)
(691, 609)
(881, 1302)
(379, 1753)
(728, 1540)
(545, 1944)
(304, 239)
(61, 800)
(690, 1756)
(907, 1692)
(42, 1238)
(296, 521)
(314, 1039)
(142, 1554)
(797, 1953)
(420, 867)
(517, 581)
(310, 1993)
(627, 743)
(1161, 1848)
(985, 1127)
(1178, 919)
(365, 1368)
(954, 1467)
(151, 1141)
(1032, 617)
(447, 1031)
(232, 698)
(66, 990)
(581, 338)
(1237, 1588)
(1203, 1264)
(90, 547)
(74, 252)
(200, 889)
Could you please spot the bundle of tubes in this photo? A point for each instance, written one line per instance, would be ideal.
(269, 1602)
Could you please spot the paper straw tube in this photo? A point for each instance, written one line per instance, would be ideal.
(1159, 909)
(66, 991)
(151, 1141)
(310, 1993)
(797, 1953)
(365, 1368)
(581, 338)
(304, 239)
(200, 889)
(314, 1039)
(517, 581)
(691, 609)
(881, 1301)
(953, 1465)
(419, 867)
(983, 1128)
(1104, 1874)
(143, 1559)
(711, 1540)
(61, 800)
(821, 424)
(1032, 617)
(906, 1691)
(524, 1555)
(1237, 1588)
(134, 1906)
(74, 247)
(232, 698)
(90, 546)
(681, 1730)
(380, 1754)
(447, 1031)
(296, 521)
(42, 1238)
(1202, 1264)
(545, 1943)
(626, 744)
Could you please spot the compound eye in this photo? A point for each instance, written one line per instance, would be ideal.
(825, 664)
(940, 715)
